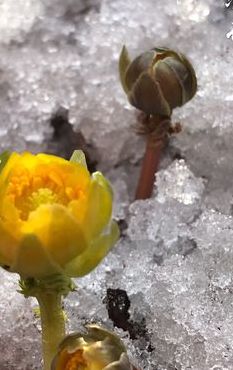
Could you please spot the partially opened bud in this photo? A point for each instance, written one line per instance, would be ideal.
(158, 80)
(97, 349)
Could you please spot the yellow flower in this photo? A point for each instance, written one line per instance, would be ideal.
(54, 216)
(97, 349)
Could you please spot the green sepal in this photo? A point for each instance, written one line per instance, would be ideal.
(4, 158)
(78, 156)
(93, 333)
(102, 181)
(141, 64)
(98, 249)
(124, 62)
(122, 364)
(192, 79)
(169, 80)
(147, 96)
(60, 284)
(103, 343)
(183, 69)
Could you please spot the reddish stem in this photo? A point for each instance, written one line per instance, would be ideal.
(149, 168)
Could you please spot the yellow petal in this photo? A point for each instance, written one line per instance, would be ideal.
(98, 249)
(11, 163)
(32, 260)
(97, 356)
(72, 167)
(57, 231)
(99, 206)
(78, 208)
(9, 213)
(60, 361)
(8, 245)
(49, 158)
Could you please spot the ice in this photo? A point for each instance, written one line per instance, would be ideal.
(178, 182)
(19, 338)
(17, 18)
(196, 11)
(181, 305)
(166, 288)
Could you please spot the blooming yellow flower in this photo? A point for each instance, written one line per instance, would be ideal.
(98, 349)
(54, 216)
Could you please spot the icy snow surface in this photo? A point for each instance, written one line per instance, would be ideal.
(167, 286)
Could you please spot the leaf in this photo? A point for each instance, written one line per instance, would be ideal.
(78, 156)
(124, 62)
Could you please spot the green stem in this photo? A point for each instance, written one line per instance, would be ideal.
(52, 323)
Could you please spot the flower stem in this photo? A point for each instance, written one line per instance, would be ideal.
(149, 168)
(52, 323)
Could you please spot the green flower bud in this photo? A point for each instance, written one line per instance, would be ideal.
(158, 80)
(97, 349)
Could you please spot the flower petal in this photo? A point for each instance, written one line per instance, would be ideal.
(5, 171)
(8, 246)
(58, 232)
(99, 206)
(88, 260)
(32, 260)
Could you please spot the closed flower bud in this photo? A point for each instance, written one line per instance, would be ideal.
(158, 80)
(55, 217)
(97, 349)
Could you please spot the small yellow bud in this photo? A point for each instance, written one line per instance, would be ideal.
(97, 349)
(158, 80)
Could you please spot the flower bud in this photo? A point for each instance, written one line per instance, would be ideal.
(97, 349)
(157, 80)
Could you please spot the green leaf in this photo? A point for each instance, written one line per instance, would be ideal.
(124, 62)
(3, 159)
(78, 156)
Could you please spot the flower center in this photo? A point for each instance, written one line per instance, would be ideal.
(29, 191)
(42, 196)
(76, 362)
